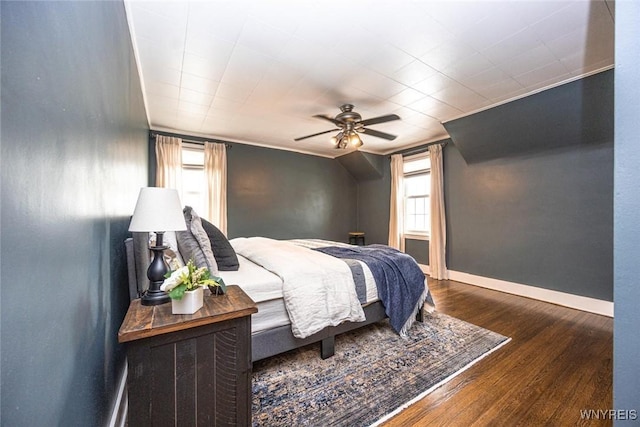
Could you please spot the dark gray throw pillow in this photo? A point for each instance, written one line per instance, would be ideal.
(223, 252)
(194, 243)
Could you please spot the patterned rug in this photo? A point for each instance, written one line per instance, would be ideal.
(374, 373)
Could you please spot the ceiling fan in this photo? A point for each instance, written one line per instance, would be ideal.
(349, 124)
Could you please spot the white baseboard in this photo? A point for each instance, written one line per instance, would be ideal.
(592, 305)
(121, 405)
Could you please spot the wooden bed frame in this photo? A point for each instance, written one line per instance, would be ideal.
(264, 343)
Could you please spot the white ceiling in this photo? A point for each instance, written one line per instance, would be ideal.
(257, 71)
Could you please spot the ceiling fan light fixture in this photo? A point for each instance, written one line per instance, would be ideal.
(355, 140)
(343, 141)
(349, 122)
(335, 140)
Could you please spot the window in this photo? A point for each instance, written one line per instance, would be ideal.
(194, 184)
(417, 186)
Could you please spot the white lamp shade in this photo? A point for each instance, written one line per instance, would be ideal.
(158, 209)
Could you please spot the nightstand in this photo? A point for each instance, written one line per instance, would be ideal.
(190, 369)
(356, 238)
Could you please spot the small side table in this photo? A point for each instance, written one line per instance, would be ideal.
(356, 238)
(190, 369)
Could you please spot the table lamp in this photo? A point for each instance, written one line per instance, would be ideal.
(157, 210)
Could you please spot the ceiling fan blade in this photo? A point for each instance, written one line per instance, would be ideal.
(315, 134)
(379, 134)
(381, 119)
(330, 119)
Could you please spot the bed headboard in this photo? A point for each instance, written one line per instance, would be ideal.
(138, 260)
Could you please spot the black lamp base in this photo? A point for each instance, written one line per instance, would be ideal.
(154, 297)
(155, 273)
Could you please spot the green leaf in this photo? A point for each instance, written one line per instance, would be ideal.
(178, 291)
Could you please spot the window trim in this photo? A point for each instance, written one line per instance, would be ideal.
(415, 234)
(196, 167)
(193, 147)
(419, 156)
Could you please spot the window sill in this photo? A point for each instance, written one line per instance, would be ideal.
(413, 236)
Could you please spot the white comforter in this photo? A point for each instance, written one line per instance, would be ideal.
(318, 289)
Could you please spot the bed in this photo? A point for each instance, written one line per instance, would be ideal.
(276, 273)
(265, 281)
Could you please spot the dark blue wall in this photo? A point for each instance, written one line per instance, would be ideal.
(626, 369)
(282, 195)
(542, 216)
(74, 156)
(373, 205)
(543, 220)
(418, 249)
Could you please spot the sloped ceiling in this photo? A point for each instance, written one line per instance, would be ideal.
(576, 113)
(257, 71)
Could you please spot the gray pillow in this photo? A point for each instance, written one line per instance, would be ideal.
(195, 244)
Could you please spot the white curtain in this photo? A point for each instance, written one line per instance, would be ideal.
(169, 162)
(438, 238)
(396, 204)
(215, 171)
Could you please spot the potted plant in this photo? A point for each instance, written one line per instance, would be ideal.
(184, 286)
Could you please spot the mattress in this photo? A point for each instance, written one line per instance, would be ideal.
(265, 289)
(271, 314)
(260, 284)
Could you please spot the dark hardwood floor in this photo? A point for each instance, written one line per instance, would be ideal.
(558, 363)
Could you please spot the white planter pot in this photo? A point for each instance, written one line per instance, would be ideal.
(190, 302)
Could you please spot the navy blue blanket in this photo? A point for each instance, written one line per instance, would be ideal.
(398, 277)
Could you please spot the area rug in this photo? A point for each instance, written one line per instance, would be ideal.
(373, 374)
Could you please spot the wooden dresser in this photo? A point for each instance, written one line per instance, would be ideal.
(191, 370)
